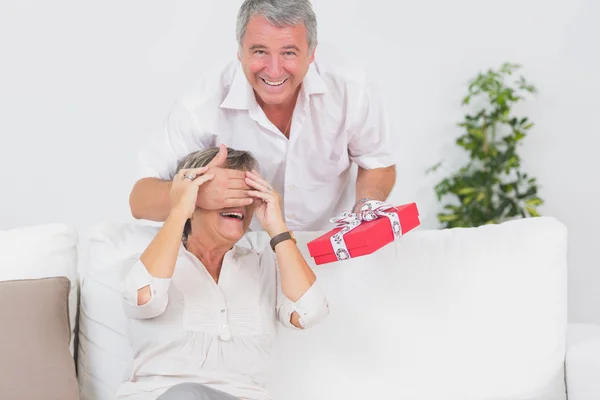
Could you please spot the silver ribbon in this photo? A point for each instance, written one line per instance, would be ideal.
(370, 211)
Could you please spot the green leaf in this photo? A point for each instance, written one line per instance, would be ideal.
(519, 136)
(507, 188)
(503, 205)
(433, 168)
(476, 132)
(532, 211)
(447, 217)
(530, 192)
(467, 190)
(451, 207)
(536, 201)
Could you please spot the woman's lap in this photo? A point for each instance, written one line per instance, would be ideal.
(194, 391)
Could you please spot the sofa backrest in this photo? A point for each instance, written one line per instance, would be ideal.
(476, 313)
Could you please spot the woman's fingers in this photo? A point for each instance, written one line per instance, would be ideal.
(193, 172)
(200, 170)
(203, 178)
(263, 187)
(259, 194)
(256, 185)
(257, 178)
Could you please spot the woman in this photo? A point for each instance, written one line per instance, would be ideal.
(204, 311)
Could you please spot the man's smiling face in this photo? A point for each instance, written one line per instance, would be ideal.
(275, 60)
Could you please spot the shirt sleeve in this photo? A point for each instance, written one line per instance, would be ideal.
(182, 135)
(136, 277)
(369, 144)
(312, 307)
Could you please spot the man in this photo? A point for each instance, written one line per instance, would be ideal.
(305, 119)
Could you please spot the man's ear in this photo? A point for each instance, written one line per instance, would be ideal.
(312, 55)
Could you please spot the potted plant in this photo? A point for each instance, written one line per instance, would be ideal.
(490, 188)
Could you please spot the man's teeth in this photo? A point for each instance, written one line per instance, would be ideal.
(233, 215)
(274, 83)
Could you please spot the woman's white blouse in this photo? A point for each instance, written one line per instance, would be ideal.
(219, 334)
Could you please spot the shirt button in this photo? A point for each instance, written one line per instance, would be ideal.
(222, 310)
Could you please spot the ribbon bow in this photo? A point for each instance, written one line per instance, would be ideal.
(370, 211)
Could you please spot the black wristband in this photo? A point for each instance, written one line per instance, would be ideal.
(287, 235)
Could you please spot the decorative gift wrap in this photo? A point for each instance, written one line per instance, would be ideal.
(358, 234)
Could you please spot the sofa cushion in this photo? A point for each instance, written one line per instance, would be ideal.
(42, 251)
(34, 340)
(471, 313)
(104, 355)
(466, 313)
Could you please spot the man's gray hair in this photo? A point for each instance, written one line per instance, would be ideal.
(236, 159)
(281, 13)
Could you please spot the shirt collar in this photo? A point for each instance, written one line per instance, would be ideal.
(313, 83)
(241, 94)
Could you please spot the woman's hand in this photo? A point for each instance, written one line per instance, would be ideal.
(184, 189)
(268, 209)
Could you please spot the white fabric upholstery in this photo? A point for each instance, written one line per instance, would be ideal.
(446, 314)
(104, 356)
(583, 362)
(455, 314)
(42, 251)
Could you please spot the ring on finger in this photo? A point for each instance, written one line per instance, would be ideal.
(188, 176)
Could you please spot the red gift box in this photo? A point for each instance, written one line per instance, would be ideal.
(366, 238)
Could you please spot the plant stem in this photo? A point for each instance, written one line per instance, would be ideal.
(485, 142)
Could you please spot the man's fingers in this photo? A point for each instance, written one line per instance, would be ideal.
(237, 184)
(220, 158)
(235, 174)
(229, 203)
(237, 194)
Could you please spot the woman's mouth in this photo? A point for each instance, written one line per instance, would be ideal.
(233, 215)
(274, 83)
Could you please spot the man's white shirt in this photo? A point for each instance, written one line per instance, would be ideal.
(339, 119)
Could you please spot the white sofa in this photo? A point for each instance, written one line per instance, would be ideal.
(461, 314)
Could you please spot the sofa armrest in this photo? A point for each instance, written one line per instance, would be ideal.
(583, 362)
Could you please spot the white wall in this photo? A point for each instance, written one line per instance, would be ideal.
(83, 84)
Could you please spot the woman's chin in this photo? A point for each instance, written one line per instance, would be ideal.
(232, 229)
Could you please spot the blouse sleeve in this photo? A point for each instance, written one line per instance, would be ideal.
(136, 277)
(312, 307)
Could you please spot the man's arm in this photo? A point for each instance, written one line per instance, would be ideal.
(150, 199)
(374, 184)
